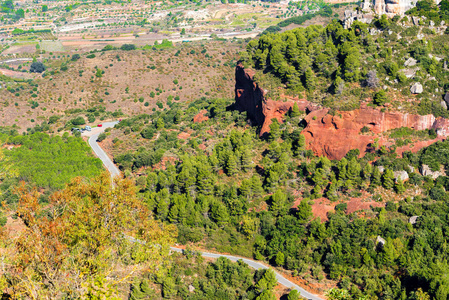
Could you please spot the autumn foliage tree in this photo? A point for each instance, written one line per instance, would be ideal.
(90, 240)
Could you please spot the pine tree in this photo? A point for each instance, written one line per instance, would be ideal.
(256, 186)
(279, 203)
(160, 123)
(331, 192)
(178, 117)
(325, 164)
(388, 179)
(367, 171)
(295, 111)
(399, 187)
(162, 209)
(186, 178)
(304, 211)
(274, 130)
(293, 295)
(354, 169)
(231, 165)
(247, 163)
(245, 189)
(298, 142)
(376, 179)
(309, 79)
(204, 178)
(342, 164)
(280, 259)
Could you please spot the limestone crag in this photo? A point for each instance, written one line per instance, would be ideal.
(392, 7)
(334, 135)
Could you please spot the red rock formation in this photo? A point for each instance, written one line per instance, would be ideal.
(251, 98)
(329, 135)
(334, 136)
(200, 117)
(248, 95)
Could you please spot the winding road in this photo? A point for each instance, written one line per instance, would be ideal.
(114, 171)
(107, 162)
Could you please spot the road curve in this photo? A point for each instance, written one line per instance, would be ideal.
(256, 265)
(114, 171)
(107, 162)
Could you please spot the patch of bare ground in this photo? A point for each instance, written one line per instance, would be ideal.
(134, 82)
(16, 74)
(364, 204)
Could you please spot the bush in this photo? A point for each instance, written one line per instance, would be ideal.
(53, 119)
(128, 47)
(78, 121)
(147, 132)
(75, 57)
(380, 98)
(37, 67)
(101, 137)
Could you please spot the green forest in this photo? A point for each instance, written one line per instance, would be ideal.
(325, 62)
(230, 191)
(45, 161)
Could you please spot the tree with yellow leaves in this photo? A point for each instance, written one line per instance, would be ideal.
(89, 243)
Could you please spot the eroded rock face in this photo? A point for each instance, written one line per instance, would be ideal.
(261, 110)
(334, 136)
(248, 95)
(392, 7)
(331, 135)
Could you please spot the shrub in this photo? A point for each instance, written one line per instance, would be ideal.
(101, 137)
(128, 47)
(78, 121)
(380, 98)
(37, 67)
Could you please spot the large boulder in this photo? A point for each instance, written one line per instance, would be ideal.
(410, 62)
(400, 175)
(392, 7)
(416, 88)
(446, 98)
(426, 171)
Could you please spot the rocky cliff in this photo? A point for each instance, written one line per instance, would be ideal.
(392, 7)
(261, 110)
(330, 135)
(334, 135)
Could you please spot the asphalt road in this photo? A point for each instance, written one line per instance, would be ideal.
(256, 265)
(113, 170)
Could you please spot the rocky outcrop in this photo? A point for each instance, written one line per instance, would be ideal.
(331, 135)
(392, 7)
(248, 95)
(416, 88)
(351, 16)
(261, 110)
(426, 171)
(401, 175)
(200, 117)
(334, 135)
